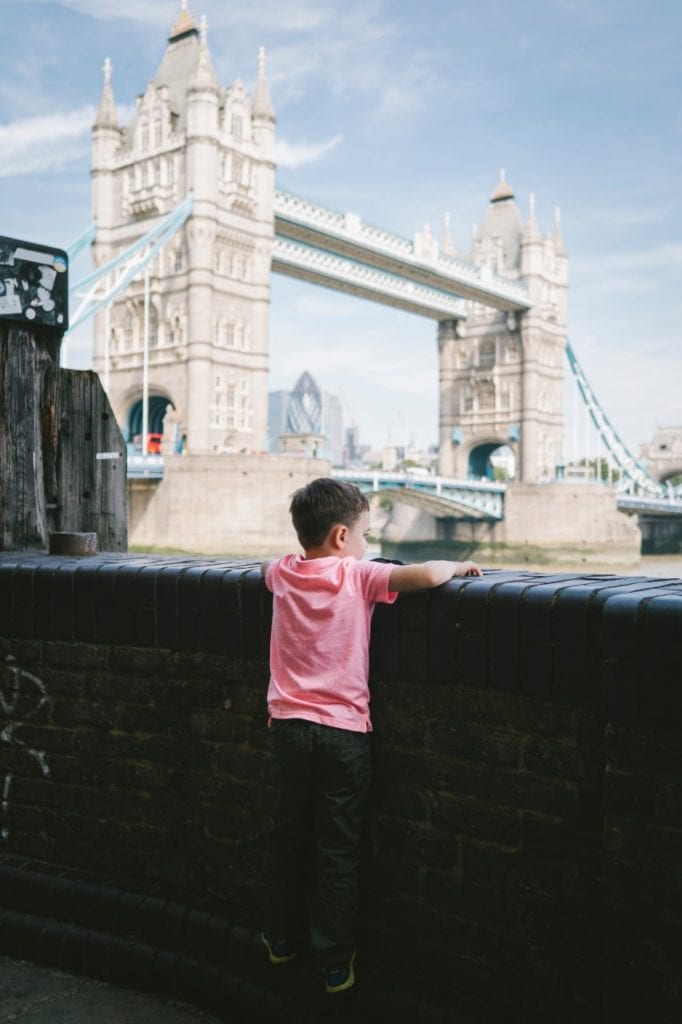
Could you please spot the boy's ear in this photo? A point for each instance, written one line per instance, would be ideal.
(338, 536)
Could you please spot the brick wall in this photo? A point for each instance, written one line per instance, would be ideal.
(525, 832)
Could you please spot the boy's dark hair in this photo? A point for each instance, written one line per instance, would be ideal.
(324, 503)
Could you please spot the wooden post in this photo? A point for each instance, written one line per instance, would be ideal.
(62, 456)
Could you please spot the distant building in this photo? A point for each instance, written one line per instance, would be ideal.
(351, 449)
(662, 455)
(306, 412)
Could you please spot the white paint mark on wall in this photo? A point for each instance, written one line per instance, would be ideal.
(22, 696)
(5, 803)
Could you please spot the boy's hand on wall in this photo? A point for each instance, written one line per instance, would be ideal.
(467, 569)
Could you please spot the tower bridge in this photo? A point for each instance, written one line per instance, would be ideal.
(193, 323)
(418, 262)
(190, 227)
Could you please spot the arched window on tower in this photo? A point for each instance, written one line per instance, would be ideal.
(511, 351)
(243, 410)
(158, 134)
(153, 326)
(144, 134)
(486, 396)
(486, 354)
(237, 126)
(129, 331)
(177, 333)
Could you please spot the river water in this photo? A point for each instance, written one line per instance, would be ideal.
(657, 566)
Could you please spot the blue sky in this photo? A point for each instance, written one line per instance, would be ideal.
(401, 111)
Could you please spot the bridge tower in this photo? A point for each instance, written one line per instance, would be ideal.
(208, 288)
(501, 375)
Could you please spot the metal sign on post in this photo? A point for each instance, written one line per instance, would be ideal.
(33, 284)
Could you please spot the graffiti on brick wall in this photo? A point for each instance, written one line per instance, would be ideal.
(22, 696)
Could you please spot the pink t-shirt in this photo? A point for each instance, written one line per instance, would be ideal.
(319, 648)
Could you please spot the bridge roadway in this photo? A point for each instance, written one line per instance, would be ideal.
(343, 252)
(443, 497)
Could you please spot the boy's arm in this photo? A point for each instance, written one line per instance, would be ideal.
(428, 574)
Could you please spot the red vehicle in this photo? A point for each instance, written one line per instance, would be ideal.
(154, 444)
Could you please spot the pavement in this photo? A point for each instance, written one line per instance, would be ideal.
(32, 994)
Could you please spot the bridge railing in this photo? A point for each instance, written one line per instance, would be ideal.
(480, 496)
(351, 227)
(140, 466)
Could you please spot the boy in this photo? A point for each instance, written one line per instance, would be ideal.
(318, 703)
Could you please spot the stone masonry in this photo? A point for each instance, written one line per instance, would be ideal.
(501, 376)
(209, 286)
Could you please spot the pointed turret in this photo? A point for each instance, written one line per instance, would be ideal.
(561, 265)
(532, 231)
(183, 26)
(106, 111)
(557, 236)
(262, 104)
(203, 100)
(263, 120)
(531, 244)
(447, 245)
(502, 221)
(503, 189)
(106, 139)
(204, 78)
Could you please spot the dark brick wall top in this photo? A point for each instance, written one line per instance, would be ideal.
(611, 640)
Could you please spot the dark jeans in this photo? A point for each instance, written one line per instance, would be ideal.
(321, 778)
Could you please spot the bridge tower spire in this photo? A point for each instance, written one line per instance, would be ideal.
(501, 374)
(205, 310)
(106, 138)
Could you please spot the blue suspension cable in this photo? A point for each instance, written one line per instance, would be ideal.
(631, 468)
(154, 238)
(76, 247)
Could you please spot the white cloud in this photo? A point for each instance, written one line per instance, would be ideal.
(626, 217)
(634, 271)
(47, 142)
(150, 12)
(296, 154)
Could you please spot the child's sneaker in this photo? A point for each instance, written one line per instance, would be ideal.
(280, 951)
(338, 979)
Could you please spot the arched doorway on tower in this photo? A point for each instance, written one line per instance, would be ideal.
(492, 461)
(162, 426)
